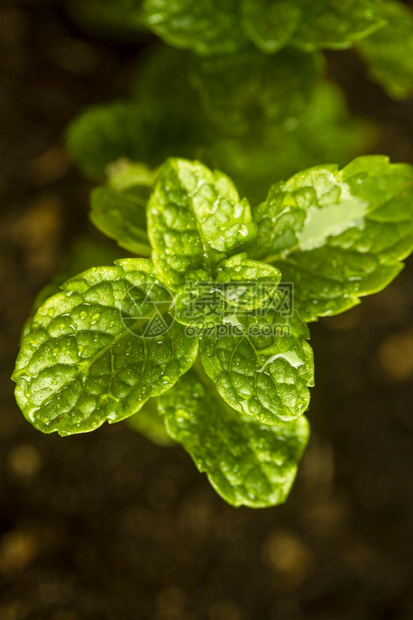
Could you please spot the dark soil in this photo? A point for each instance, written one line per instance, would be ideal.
(107, 525)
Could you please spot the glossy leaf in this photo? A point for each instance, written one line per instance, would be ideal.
(195, 219)
(239, 283)
(338, 235)
(389, 51)
(211, 27)
(246, 462)
(214, 28)
(122, 216)
(261, 364)
(84, 254)
(247, 284)
(90, 357)
(119, 209)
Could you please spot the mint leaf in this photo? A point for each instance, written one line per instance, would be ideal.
(195, 219)
(214, 28)
(103, 134)
(243, 91)
(246, 462)
(325, 132)
(338, 235)
(148, 127)
(240, 283)
(336, 24)
(247, 284)
(270, 24)
(261, 364)
(119, 210)
(125, 174)
(150, 424)
(389, 51)
(211, 27)
(122, 216)
(87, 358)
(84, 254)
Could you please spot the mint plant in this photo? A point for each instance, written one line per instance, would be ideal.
(247, 95)
(381, 31)
(271, 120)
(205, 337)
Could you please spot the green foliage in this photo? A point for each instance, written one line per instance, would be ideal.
(389, 51)
(323, 133)
(105, 134)
(212, 28)
(195, 220)
(246, 91)
(119, 341)
(86, 360)
(338, 235)
(150, 423)
(270, 25)
(274, 142)
(263, 376)
(84, 254)
(119, 210)
(381, 30)
(246, 462)
(336, 24)
(206, 27)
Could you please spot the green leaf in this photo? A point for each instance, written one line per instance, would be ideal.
(125, 174)
(122, 216)
(389, 51)
(325, 132)
(270, 24)
(84, 254)
(247, 284)
(147, 128)
(150, 424)
(240, 283)
(246, 462)
(243, 91)
(338, 235)
(119, 210)
(90, 355)
(103, 134)
(211, 27)
(195, 219)
(260, 363)
(336, 24)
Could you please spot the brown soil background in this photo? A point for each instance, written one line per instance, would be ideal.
(107, 525)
